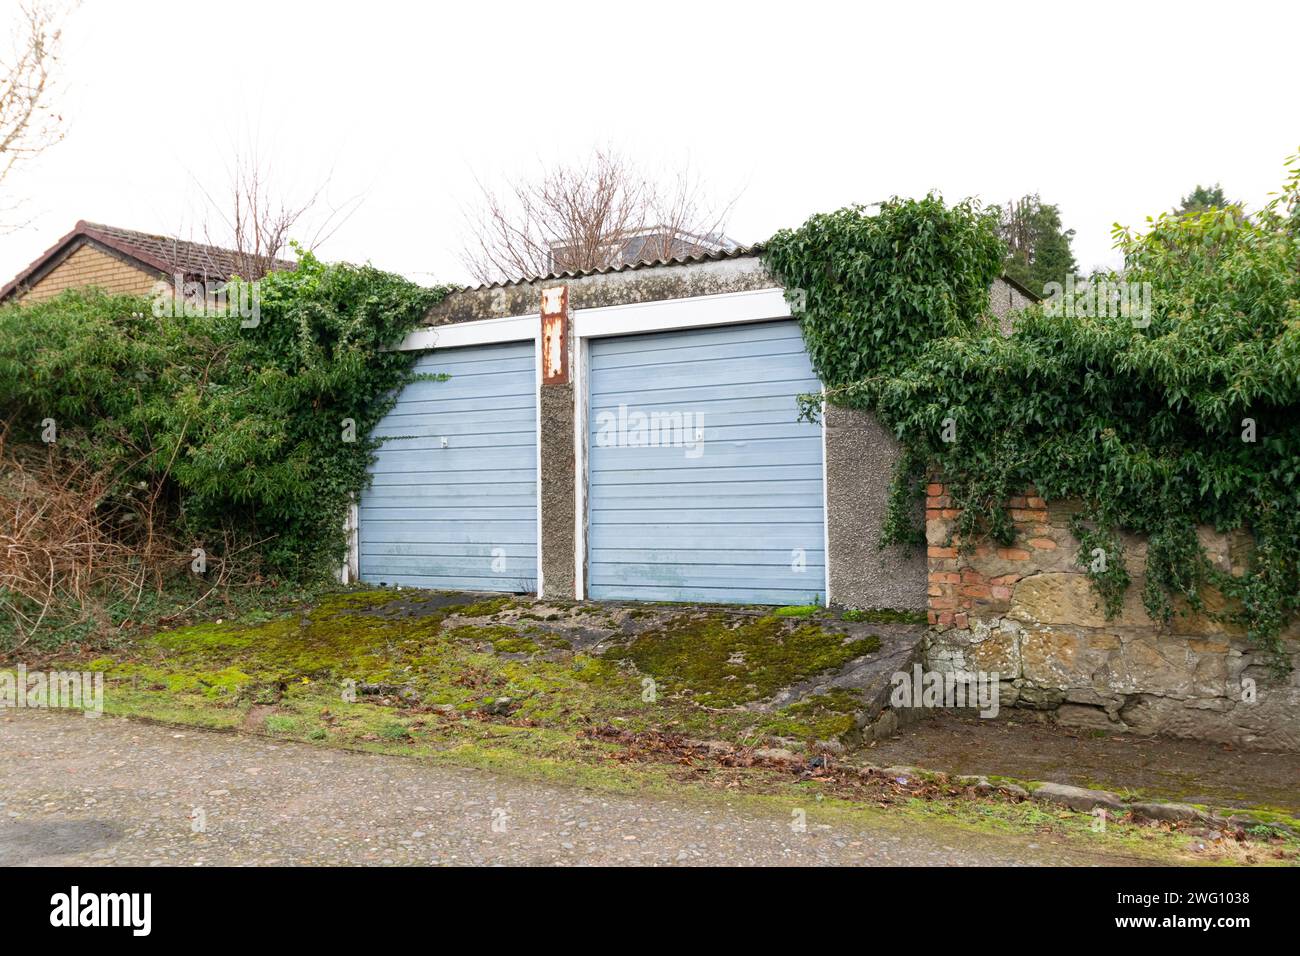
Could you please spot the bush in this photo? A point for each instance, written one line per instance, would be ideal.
(1191, 419)
(234, 439)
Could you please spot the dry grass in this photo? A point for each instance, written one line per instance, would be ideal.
(74, 538)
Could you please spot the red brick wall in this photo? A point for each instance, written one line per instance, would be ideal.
(955, 589)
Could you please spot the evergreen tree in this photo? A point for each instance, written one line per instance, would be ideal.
(1038, 248)
(1202, 198)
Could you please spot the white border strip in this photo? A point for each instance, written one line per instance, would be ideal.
(580, 405)
(826, 508)
(516, 328)
(537, 405)
(349, 572)
(727, 308)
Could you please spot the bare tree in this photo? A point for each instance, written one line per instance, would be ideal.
(252, 221)
(28, 123)
(589, 215)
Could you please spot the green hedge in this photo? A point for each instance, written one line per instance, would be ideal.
(1158, 419)
(242, 428)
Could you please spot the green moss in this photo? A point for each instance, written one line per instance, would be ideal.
(504, 639)
(884, 615)
(226, 681)
(204, 636)
(210, 675)
(715, 658)
(484, 608)
(172, 708)
(359, 600)
(720, 663)
(257, 616)
(828, 716)
(1000, 781)
(507, 638)
(797, 610)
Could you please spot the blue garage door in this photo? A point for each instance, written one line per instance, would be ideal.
(453, 499)
(703, 483)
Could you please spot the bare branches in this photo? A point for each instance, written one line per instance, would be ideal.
(587, 216)
(67, 530)
(28, 124)
(685, 218)
(75, 539)
(256, 220)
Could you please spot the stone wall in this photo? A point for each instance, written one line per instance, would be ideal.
(1030, 613)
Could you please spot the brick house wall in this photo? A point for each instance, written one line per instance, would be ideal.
(88, 266)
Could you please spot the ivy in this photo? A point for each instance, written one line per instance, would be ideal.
(1184, 412)
(1102, 555)
(877, 288)
(257, 431)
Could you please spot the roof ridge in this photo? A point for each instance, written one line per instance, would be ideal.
(165, 237)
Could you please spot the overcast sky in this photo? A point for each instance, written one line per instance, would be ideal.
(1111, 111)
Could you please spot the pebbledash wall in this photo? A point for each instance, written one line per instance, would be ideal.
(1029, 612)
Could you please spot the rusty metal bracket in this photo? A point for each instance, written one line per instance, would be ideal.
(555, 335)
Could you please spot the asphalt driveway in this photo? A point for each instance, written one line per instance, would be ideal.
(113, 791)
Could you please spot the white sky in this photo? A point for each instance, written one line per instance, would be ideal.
(1112, 111)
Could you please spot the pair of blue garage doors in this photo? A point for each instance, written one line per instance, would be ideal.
(702, 485)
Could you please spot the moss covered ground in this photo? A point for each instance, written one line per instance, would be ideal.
(358, 664)
(494, 682)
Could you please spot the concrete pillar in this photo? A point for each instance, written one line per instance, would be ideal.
(557, 458)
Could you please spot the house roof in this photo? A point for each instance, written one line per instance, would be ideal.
(1031, 296)
(162, 255)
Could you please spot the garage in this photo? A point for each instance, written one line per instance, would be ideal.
(453, 498)
(703, 485)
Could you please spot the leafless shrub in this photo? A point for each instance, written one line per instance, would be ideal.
(253, 217)
(589, 215)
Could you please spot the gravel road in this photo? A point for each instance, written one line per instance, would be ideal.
(113, 791)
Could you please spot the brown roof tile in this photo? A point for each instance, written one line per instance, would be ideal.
(154, 253)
